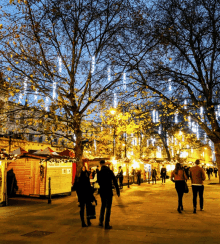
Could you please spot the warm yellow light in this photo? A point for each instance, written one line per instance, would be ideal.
(113, 111)
(114, 161)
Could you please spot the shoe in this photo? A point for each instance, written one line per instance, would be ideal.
(84, 225)
(101, 224)
(194, 210)
(178, 209)
(181, 208)
(108, 227)
(201, 209)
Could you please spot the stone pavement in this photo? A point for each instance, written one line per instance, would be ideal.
(143, 214)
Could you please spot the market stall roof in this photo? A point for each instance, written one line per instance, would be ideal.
(19, 151)
(46, 151)
(67, 153)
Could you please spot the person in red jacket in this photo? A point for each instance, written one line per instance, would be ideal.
(197, 175)
(179, 177)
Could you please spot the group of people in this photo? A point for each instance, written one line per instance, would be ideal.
(85, 193)
(210, 171)
(105, 177)
(197, 176)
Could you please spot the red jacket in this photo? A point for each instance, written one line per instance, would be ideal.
(180, 176)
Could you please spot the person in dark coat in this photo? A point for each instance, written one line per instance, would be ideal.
(208, 172)
(154, 176)
(105, 177)
(120, 176)
(216, 172)
(139, 177)
(85, 194)
(163, 174)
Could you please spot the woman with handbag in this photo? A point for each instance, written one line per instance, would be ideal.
(179, 177)
(85, 195)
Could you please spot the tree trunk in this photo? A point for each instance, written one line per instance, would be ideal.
(78, 149)
(217, 155)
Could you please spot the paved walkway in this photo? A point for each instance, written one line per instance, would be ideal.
(143, 214)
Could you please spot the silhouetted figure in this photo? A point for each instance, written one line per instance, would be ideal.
(154, 176)
(139, 177)
(163, 174)
(105, 177)
(179, 177)
(215, 172)
(12, 186)
(120, 177)
(85, 194)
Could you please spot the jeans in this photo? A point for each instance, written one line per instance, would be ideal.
(195, 190)
(163, 178)
(82, 208)
(121, 182)
(154, 180)
(106, 204)
(180, 186)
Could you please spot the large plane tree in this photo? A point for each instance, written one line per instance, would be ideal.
(59, 56)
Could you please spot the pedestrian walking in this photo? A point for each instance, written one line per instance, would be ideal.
(120, 176)
(208, 172)
(139, 177)
(132, 174)
(85, 195)
(179, 177)
(197, 175)
(105, 177)
(154, 176)
(216, 172)
(163, 174)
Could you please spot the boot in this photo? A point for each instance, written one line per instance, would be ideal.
(89, 222)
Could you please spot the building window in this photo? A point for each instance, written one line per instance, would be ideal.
(40, 139)
(31, 137)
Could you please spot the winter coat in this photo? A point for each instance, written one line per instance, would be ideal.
(83, 188)
(105, 177)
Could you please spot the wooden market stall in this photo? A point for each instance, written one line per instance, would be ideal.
(32, 173)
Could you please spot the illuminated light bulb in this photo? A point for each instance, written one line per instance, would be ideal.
(170, 85)
(20, 98)
(176, 117)
(93, 64)
(124, 81)
(109, 74)
(25, 86)
(185, 104)
(115, 100)
(35, 95)
(54, 89)
(60, 64)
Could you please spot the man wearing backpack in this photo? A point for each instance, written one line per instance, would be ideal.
(163, 174)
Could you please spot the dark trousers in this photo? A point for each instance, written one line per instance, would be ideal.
(180, 186)
(163, 178)
(106, 205)
(82, 210)
(138, 179)
(121, 182)
(154, 180)
(209, 176)
(195, 190)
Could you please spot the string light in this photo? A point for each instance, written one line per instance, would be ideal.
(124, 81)
(93, 64)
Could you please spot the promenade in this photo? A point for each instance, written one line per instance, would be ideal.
(143, 214)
